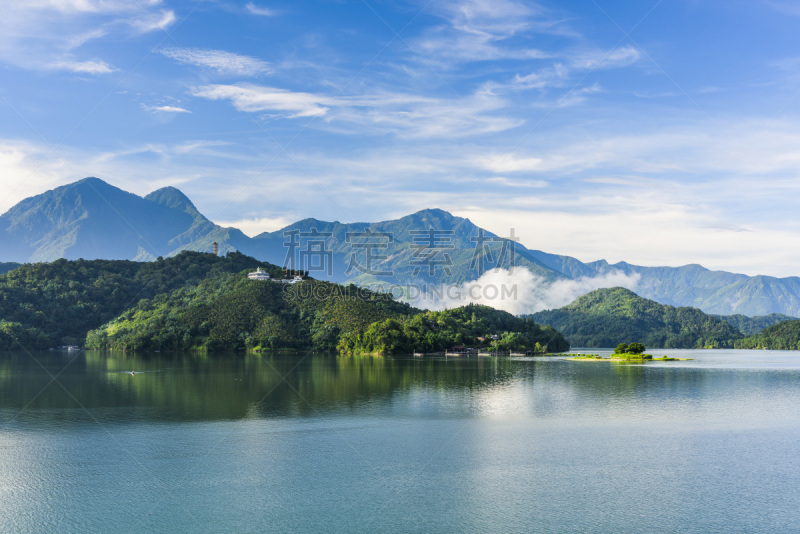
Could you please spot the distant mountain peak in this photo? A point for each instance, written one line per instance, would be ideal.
(172, 197)
(92, 183)
(90, 180)
(428, 213)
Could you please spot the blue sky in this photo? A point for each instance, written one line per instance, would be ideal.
(655, 132)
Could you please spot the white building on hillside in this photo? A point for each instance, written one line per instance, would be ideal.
(259, 274)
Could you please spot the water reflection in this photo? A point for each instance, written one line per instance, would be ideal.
(227, 386)
(97, 386)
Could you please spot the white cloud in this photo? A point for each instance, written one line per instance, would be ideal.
(219, 60)
(614, 58)
(478, 30)
(153, 21)
(643, 227)
(507, 163)
(257, 225)
(79, 40)
(261, 11)
(26, 170)
(443, 48)
(516, 183)
(85, 67)
(561, 72)
(496, 18)
(38, 34)
(81, 6)
(517, 291)
(406, 115)
(166, 109)
(576, 96)
(252, 98)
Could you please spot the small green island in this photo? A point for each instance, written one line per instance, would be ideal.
(627, 352)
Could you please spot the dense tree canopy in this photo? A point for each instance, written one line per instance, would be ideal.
(782, 336)
(606, 317)
(472, 325)
(231, 312)
(58, 303)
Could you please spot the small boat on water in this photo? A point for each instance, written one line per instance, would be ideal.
(68, 348)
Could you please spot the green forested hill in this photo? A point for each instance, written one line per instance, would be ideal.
(781, 336)
(230, 312)
(607, 317)
(472, 325)
(750, 326)
(48, 304)
(204, 302)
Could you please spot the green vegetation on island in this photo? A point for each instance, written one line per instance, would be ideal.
(628, 352)
(605, 316)
(631, 351)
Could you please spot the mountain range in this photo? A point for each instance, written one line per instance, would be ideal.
(92, 219)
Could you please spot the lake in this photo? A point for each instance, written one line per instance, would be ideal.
(319, 443)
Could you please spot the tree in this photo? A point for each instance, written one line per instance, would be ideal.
(636, 348)
(622, 348)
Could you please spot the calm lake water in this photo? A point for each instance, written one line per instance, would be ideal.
(315, 443)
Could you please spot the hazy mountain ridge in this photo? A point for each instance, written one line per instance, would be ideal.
(9, 266)
(402, 252)
(92, 219)
(750, 326)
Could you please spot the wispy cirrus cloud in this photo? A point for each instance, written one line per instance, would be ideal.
(492, 16)
(83, 67)
(82, 6)
(38, 34)
(403, 114)
(622, 56)
(260, 11)
(153, 21)
(561, 72)
(480, 30)
(252, 98)
(226, 63)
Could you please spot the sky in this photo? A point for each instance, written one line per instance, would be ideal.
(657, 132)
